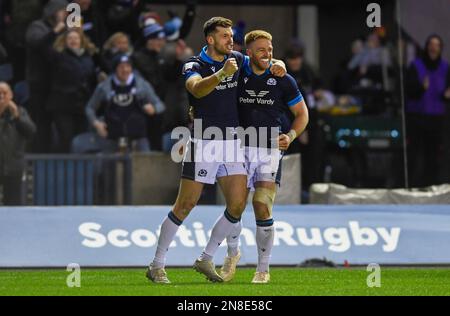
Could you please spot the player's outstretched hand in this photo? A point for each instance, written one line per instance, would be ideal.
(230, 66)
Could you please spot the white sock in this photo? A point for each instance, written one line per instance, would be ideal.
(169, 228)
(264, 242)
(223, 227)
(233, 240)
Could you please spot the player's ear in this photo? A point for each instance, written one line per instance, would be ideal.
(249, 52)
(210, 40)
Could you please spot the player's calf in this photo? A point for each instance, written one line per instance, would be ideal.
(263, 203)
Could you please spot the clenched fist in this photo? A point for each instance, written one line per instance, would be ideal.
(230, 67)
(283, 142)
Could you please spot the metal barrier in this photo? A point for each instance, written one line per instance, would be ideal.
(99, 179)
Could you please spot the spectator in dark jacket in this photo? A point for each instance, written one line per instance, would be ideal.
(428, 93)
(310, 142)
(73, 79)
(19, 15)
(298, 68)
(156, 69)
(37, 72)
(16, 128)
(120, 105)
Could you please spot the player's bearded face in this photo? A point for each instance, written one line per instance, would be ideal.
(223, 40)
(261, 52)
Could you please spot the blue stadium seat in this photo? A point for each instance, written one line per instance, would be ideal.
(63, 182)
(87, 143)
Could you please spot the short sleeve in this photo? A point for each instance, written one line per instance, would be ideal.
(191, 68)
(291, 92)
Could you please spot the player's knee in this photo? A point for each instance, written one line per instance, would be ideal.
(262, 211)
(263, 200)
(183, 207)
(236, 208)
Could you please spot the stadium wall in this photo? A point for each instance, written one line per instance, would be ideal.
(127, 236)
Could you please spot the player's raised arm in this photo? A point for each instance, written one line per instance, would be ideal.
(200, 87)
(300, 111)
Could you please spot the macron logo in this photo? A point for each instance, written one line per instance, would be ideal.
(252, 93)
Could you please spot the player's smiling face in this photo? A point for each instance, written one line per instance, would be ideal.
(260, 53)
(222, 40)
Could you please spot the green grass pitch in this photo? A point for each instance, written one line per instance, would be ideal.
(185, 282)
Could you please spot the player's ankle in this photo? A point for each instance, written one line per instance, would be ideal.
(157, 265)
(233, 252)
(205, 257)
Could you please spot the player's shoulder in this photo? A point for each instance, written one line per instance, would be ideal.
(238, 55)
(287, 78)
(287, 81)
(193, 63)
(194, 60)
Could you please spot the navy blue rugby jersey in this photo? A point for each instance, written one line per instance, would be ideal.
(219, 108)
(264, 100)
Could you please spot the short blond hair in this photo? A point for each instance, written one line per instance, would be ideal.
(252, 36)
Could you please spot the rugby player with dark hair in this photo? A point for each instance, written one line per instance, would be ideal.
(212, 85)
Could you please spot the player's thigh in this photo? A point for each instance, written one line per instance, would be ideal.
(188, 196)
(263, 199)
(234, 189)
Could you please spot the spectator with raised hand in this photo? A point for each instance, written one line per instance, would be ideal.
(38, 42)
(125, 100)
(371, 64)
(16, 128)
(428, 94)
(73, 79)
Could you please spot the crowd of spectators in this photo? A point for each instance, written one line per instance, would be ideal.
(368, 83)
(66, 68)
(118, 77)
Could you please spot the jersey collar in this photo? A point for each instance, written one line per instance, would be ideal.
(249, 71)
(205, 57)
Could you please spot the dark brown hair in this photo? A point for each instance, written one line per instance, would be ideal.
(210, 25)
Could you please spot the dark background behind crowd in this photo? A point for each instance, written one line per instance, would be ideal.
(75, 83)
